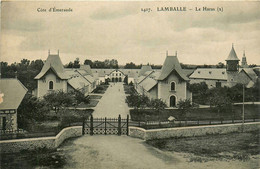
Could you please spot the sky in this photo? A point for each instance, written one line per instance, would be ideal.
(120, 30)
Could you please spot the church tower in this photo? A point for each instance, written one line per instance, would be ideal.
(244, 62)
(232, 61)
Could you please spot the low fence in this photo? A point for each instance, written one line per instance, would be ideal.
(20, 133)
(172, 124)
(17, 145)
(191, 131)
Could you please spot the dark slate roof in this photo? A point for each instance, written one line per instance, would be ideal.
(13, 91)
(171, 63)
(53, 62)
(232, 55)
(144, 69)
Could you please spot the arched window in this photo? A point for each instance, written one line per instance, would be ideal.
(172, 101)
(172, 85)
(50, 85)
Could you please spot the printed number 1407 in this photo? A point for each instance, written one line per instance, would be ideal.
(146, 9)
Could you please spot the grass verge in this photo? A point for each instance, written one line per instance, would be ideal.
(233, 146)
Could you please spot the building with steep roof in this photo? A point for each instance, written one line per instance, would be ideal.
(172, 82)
(54, 76)
(232, 60)
(168, 84)
(12, 92)
(229, 76)
(244, 62)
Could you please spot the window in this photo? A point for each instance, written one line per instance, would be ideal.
(173, 86)
(50, 85)
(218, 84)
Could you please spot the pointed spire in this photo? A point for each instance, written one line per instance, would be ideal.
(244, 54)
(176, 53)
(49, 52)
(232, 55)
(58, 52)
(166, 52)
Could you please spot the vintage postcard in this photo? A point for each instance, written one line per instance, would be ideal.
(130, 84)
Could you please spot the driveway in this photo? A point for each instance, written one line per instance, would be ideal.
(112, 103)
(123, 152)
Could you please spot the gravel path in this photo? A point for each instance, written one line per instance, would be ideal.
(123, 152)
(112, 103)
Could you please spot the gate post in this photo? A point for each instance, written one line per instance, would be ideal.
(83, 127)
(91, 125)
(127, 126)
(119, 125)
(105, 125)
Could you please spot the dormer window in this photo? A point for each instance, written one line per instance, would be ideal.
(198, 72)
(210, 72)
(223, 73)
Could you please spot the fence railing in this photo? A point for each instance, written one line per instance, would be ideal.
(20, 133)
(170, 124)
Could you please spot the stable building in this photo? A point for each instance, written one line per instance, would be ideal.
(12, 92)
(54, 77)
(229, 76)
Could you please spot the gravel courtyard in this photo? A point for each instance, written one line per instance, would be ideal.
(123, 152)
(112, 103)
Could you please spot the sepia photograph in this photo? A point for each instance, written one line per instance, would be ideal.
(129, 84)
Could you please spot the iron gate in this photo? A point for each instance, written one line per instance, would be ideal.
(106, 126)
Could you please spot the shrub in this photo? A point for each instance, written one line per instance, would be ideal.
(59, 99)
(31, 109)
(185, 107)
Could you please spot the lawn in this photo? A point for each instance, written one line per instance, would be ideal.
(95, 97)
(31, 159)
(46, 127)
(233, 146)
(92, 103)
(101, 89)
(251, 112)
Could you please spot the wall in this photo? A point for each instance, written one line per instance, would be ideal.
(43, 87)
(210, 83)
(190, 131)
(164, 89)
(153, 93)
(17, 145)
